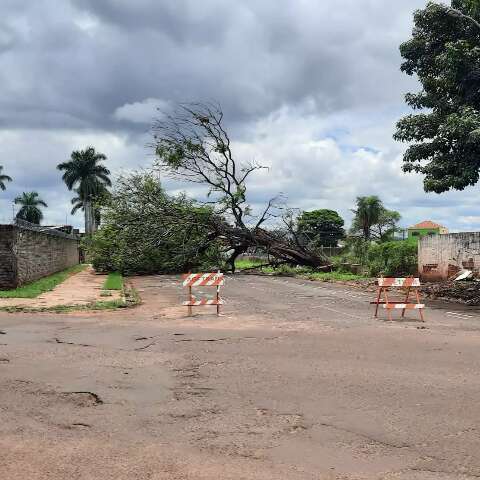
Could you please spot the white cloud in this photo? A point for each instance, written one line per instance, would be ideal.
(141, 112)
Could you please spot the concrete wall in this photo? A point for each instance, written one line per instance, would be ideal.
(442, 256)
(27, 254)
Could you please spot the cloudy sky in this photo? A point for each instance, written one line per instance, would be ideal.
(311, 88)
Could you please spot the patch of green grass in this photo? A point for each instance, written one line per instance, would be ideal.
(304, 272)
(243, 263)
(334, 276)
(34, 289)
(114, 281)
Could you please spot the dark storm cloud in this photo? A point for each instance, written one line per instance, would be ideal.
(71, 64)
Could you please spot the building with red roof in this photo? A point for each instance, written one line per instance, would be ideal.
(427, 227)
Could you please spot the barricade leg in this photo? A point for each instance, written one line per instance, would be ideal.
(419, 310)
(406, 300)
(190, 312)
(389, 313)
(378, 301)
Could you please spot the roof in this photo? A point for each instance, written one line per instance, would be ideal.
(426, 224)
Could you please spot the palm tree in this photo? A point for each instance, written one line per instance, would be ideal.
(30, 210)
(84, 173)
(367, 214)
(79, 204)
(3, 179)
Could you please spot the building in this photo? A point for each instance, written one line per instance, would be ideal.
(425, 228)
(441, 257)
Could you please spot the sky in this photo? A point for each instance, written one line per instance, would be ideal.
(312, 89)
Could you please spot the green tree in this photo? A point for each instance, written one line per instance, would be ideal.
(392, 258)
(386, 225)
(367, 214)
(85, 174)
(321, 227)
(144, 230)
(30, 207)
(444, 53)
(3, 178)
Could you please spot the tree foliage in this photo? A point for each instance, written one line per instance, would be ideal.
(372, 221)
(386, 226)
(393, 258)
(444, 53)
(321, 227)
(30, 210)
(3, 178)
(367, 214)
(144, 230)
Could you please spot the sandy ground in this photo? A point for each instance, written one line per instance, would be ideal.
(82, 288)
(295, 381)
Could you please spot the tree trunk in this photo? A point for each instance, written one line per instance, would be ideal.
(88, 217)
(236, 252)
(283, 250)
(93, 219)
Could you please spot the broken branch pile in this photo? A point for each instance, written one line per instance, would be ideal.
(460, 292)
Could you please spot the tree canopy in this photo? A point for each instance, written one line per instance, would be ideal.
(444, 53)
(321, 227)
(30, 210)
(372, 221)
(3, 178)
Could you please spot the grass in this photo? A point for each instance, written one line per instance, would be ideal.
(114, 281)
(244, 263)
(302, 272)
(334, 276)
(34, 289)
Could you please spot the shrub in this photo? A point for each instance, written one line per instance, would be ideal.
(393, 258)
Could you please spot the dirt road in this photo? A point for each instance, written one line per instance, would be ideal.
(295, 381)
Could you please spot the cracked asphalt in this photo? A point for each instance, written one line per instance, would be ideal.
(295, 380)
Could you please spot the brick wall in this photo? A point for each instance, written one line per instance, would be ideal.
(28, 254)
(442, 256)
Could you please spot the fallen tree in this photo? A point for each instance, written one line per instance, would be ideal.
(192, 145)
(144, 230)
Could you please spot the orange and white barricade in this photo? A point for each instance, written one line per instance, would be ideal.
(409, 285)
(215, 279)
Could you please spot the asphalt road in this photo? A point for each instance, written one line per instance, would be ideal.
(295, 380)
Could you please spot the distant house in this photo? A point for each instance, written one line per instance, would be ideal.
(426, 228)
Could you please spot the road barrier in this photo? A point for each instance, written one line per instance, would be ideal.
(215, 279)
(410, 285)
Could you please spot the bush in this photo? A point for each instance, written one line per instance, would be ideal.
(393, 258)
